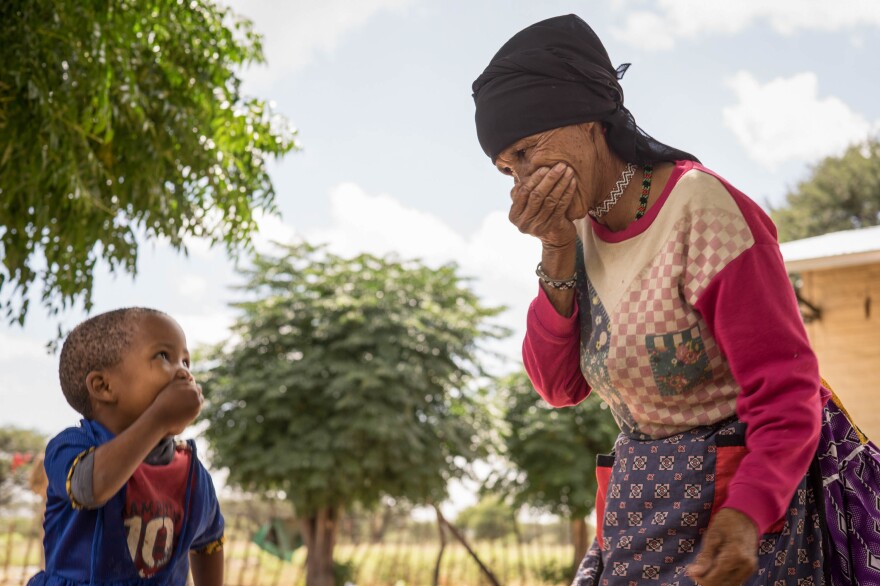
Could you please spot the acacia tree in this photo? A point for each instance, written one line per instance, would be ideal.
(841, 193)
(552, 453)
(122, 120)
(346, 381)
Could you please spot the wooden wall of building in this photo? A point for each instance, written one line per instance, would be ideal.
(847, 337)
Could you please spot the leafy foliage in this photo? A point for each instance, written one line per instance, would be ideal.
(554, 572)
(348, 380)
(842, 193)
(489, 519)
(118, 120)
(19, 450)
(552, 451)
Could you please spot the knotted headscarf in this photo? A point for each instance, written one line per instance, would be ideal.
(557, 73)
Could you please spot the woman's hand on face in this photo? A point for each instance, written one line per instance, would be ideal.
(728, 552)
(540, 203)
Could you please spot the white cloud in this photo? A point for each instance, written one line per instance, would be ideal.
(672, 20)
(500, 260)
(198, 247)
(205, 328)
(192, 287)
(30, 395)
(380, 224)
(17, 347)
(785, 119)
(297, 30)
(271, 229)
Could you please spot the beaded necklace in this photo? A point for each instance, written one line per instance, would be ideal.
(647, 174)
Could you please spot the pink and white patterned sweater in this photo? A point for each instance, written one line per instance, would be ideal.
(687, 318)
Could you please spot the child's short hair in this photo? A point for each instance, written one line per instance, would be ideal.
(97, 343)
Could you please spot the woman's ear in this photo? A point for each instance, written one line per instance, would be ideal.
(99, 387)
(592, 127)
(593, 131)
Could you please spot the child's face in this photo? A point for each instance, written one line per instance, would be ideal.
(157, 356)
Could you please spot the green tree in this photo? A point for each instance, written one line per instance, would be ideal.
(491, 518)
(347, 381)
(20, 449)
(841, 193)
(552, 453)
(122, 120)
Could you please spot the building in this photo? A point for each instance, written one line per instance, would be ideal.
(838, 281)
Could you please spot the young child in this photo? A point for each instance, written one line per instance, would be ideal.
(126, 504)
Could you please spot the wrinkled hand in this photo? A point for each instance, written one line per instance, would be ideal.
(729, 551)
(178, 404)
(539, 205)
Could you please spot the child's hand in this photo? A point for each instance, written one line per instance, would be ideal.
(178, 404)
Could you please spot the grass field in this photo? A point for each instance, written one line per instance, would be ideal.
(412, 564)
(399, 563)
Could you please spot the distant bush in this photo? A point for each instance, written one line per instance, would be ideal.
(489, 519)
(555, 572)
(344, 573)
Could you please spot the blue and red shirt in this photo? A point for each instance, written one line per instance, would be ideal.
(142, 535)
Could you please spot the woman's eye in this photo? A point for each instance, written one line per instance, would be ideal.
(507, 171)
(521, 154)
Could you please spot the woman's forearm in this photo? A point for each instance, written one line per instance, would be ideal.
(559, 263)
(551, 353)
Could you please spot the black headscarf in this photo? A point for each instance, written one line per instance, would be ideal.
(552, 74)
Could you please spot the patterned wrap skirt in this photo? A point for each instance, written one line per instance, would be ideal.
(656, 498)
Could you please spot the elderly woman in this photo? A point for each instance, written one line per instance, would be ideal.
(668, 297)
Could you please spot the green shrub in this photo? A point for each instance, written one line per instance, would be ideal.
(555, 572)
(344, 573)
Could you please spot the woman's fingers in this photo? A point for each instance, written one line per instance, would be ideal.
(728, 552)
(545, 200)
(545, 188)
(551, 201)
(521, 192)
(530, 197)
(557, 216)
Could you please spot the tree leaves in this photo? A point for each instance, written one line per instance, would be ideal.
(842, 193)
(552, 451)
(349, 379)
(118, 121)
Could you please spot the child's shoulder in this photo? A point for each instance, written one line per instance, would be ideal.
(71, 443)
(87, 433)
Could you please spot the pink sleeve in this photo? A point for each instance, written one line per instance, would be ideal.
(551, 353)
(752, 312)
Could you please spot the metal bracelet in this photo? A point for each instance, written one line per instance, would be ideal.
(562, 284)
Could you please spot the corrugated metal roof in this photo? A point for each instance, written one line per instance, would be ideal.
(846, 248)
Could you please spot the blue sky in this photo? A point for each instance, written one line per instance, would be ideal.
(380, 93)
